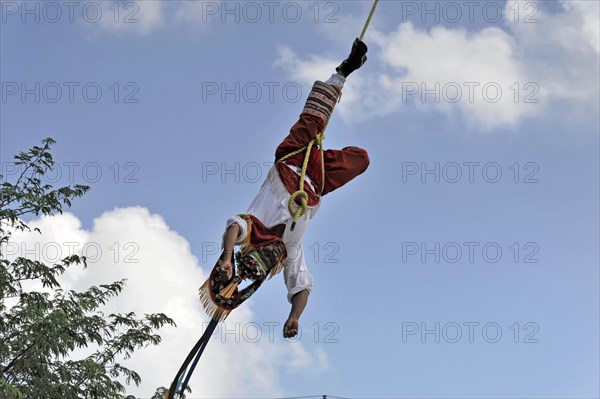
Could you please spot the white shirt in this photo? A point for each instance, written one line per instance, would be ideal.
(271, 207)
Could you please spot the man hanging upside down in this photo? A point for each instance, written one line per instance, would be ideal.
(268, 217)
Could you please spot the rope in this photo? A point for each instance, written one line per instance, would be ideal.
(319, 142)
(181, 380)
(178, 388)
(364, 31)
(301, 193)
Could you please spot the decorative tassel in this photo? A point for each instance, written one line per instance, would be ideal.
(215, 312)
(278, 267)
(228, 291)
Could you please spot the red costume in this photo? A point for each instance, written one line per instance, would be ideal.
(341, 166)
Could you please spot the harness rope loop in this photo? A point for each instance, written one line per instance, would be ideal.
(301, 193)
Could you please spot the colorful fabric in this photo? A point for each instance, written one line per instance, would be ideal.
(321, 100)
(261, 250)
(341, 166)
(292, 179)
(261, 256)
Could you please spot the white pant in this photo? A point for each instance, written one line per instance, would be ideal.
(271, 207)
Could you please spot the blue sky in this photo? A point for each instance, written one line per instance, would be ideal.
(169, 161)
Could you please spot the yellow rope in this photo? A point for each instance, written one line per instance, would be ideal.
(364, 31)
(318, 141)
(301, 193)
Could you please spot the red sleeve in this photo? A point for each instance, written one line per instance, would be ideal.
(305, 130)
(341, 166)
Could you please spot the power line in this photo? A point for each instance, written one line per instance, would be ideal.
(295, 397)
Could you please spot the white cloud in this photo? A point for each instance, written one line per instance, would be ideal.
(576, 27)
(138, 17)
(560, 51)
(317, 67)
(303, 360)
(196, 12)
(305, 70)
(491, 77)
(149, 16)
(471, 72)
(163, 276)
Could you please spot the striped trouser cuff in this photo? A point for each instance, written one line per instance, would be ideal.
(321, 100)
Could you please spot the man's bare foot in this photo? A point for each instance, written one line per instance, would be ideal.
(290, 328)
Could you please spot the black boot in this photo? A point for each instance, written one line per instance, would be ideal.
(355, 60)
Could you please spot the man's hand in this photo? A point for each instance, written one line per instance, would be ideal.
(290, 328)
(225, 270)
